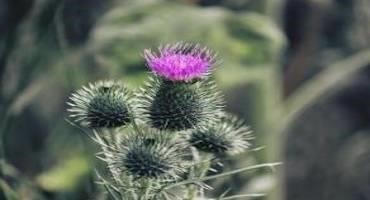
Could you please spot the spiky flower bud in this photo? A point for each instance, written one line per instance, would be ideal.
(229, 137)
(178, 106)
(148, 155)
(180, 62)
(104, 104)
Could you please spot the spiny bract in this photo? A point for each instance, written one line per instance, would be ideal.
(230, 137)
(174, 106)
(104, 104)
(149, 154)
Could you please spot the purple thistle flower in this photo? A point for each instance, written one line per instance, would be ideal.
(180, 61)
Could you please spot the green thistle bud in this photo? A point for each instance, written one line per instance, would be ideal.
(104, 104)
(229, 137)
(148, 155)
(177, 106)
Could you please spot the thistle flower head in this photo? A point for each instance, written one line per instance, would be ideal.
(181, 62)
(149, 155)
(180, 106)
(104, 104)
(229, 137)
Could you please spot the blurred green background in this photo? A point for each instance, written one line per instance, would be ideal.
(297, 71)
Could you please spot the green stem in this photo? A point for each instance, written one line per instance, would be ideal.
(205, 166)
(191, 192)
(136, 127)
(148, 189)
(242, 196)
(3, 127)
(200, 170)
(134, 124)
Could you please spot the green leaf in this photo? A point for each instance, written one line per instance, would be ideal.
(65, 176)
(8, 192)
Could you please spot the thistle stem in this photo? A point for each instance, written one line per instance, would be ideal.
(134, 124)
(3, 126)
(191, 189)
(148, 189)
(191, 192)
(242, 196)
(200, 170)
(136, 127)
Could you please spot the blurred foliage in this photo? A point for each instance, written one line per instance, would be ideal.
(65, 176)
(243, 40)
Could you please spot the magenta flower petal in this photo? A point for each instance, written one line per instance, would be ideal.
(180, 62)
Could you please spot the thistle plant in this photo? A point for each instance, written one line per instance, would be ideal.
(163, 138)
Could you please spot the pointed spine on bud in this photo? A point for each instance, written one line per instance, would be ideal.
(174, 106)
(104, 104)
(229, 137)
(150, 154)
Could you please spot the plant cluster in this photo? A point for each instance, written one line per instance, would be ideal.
(160, 142)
